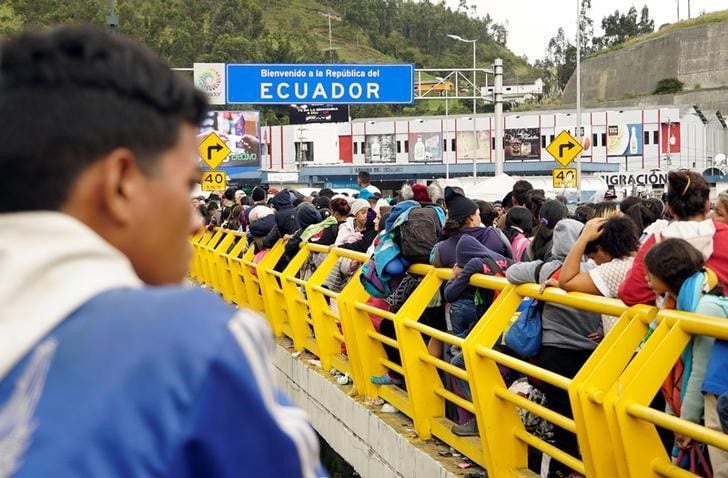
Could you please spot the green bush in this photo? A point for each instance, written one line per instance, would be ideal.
(668, 85)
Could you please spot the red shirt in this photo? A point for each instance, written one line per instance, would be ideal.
(634, 289)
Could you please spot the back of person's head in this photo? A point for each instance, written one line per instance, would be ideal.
(534, 200)
(520, 192)
(519, 220)
(628, 202)
(507, 202)
(645, 212)
(229, 194)
(258, 194)
(620, 238)
(583, 213)
(550, 214)
(340, 207)
(436, 193)
(673, 261)
(326, 192)
(84, 93)
(606, 209)
(488, 214)
(687, 194)
(364, 177)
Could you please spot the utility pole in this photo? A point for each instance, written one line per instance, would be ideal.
(498, 108)
(331, 44)
(578, 99)
(112, 20)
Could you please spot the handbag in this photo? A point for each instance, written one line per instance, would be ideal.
(524, 335)
(403, 291)
(694, 460)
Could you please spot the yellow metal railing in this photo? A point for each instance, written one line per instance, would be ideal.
(609, 396)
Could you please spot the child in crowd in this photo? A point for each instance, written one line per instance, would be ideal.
(677, 269)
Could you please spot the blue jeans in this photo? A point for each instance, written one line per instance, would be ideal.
(463, 314)
(723, 411)
(459, 361)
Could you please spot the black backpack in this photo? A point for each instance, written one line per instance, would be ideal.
(419, 233)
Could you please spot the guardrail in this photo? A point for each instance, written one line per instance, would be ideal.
(609, 396)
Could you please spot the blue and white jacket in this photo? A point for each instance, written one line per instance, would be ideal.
(103, 376)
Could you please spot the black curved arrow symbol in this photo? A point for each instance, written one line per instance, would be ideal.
(210, 149)
(568, 145)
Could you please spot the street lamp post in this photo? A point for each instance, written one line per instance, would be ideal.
(473, 41)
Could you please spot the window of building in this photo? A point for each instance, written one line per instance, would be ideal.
(452, 145)
(604, 139)
(594, 139)
(646, 137)
(655, 138)
(356, 147)
(406, 146)
(399, 146)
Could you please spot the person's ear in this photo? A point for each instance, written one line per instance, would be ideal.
(121, 184)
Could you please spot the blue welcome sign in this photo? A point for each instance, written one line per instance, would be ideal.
(315, 84)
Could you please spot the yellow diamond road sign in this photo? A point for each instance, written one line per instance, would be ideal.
(213, 150)
(564, 148)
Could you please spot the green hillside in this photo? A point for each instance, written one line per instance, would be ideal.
(292, 31)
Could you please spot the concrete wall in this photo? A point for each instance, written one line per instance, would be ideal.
(367, 442)
(695, 55)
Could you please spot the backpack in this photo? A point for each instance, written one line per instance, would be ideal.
(419, 233)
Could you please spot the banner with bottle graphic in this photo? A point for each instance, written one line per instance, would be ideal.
(380, 148)
(469, 144)
(240, 130)
(425, 148)
(624, 140)
(522, 143)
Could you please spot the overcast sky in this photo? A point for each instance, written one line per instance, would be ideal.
(531, 23)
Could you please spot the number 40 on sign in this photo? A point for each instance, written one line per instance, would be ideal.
(213, 181)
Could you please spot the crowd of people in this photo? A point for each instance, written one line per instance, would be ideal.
(668, 252)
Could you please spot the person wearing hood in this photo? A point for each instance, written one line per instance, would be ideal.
(468, 303)
(463, 218)
(357, 232)
(688, 201)
(306, 215)
(569, 334)
(518, 230)
(285, 218)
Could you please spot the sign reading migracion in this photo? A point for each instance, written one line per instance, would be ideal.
(316, 84)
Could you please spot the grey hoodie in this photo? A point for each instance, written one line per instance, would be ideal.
(563, 327)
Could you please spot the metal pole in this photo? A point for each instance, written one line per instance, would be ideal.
(331, 45)
(474, 78)
(475, 151)
(498, 99)
(578, 99)
(447, 157)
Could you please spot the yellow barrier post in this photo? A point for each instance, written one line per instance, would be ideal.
(200, 259)
(325, 320)
(296, 302)
(236, 291)
(355, 332)
(421, 377)
(195, 241)
(209, 270)
(221, 282)
(643, 451)
(270, 289)
(248, 270)
(593, 409)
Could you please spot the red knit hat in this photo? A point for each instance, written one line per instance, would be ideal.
(420, 193)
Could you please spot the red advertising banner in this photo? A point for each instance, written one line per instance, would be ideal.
(670, 138)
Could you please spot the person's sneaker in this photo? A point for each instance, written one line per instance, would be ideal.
(467, 429)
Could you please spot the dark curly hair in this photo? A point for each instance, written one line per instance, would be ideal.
(620, 238)
(673, 261)
(85, 92)
(687, 194)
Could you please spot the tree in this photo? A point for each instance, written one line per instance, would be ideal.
(619, 27)
(586, 26)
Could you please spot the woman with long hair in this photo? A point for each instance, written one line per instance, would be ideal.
(687, 201)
